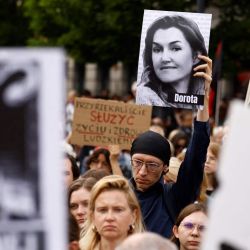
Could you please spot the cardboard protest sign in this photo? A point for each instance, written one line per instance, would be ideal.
(169, 49)
(229, 223)
(100, 122)
(31, 110)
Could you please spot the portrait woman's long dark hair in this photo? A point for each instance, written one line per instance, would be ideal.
(196, 41)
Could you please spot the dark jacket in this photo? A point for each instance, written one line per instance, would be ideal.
(161, 203)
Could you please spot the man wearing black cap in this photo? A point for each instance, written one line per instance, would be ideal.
(150, 152)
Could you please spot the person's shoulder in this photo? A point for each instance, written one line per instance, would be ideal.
(145, 95)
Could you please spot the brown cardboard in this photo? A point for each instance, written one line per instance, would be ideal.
(100, 122)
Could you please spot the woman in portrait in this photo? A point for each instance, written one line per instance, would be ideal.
(114, 214)
(174, 53)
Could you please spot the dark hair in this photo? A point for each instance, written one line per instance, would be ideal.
(86, 183)
(73, 229)
(96, 154)
(95, 173)
(190, 31)
(186, 211)
(74, 167)
(180, 135)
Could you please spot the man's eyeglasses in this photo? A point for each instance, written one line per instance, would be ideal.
(190, 226)
(151, 166)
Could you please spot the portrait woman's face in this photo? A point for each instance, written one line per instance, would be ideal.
(172, 56)
(112, 215)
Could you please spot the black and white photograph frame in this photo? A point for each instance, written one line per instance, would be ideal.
(169, 48)
(32, 195)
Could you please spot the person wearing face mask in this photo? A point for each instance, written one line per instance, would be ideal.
(190, 226)
(174, 47)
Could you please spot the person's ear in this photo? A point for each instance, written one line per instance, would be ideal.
(175, 231)
(196, 59)
(165, 169)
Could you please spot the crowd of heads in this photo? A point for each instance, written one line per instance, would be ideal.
(94, 193)
(107, 206)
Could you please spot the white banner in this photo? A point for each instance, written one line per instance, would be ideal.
(32, 197)
(229, 221)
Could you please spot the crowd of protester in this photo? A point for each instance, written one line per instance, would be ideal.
(152, 194)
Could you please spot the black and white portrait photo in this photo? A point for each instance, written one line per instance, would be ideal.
(31, 100)
(18, 129)
(171, 43)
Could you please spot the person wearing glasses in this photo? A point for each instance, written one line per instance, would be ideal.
(190, 226)
(150, 153)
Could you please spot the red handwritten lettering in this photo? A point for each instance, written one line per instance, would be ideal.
(130, 120)
(93, 117)
(122, 117)
(112, 118)
(102, 117)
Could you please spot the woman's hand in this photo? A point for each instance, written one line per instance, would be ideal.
(114, 151)
(114, 155)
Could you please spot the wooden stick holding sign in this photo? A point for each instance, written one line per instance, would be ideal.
(100, 122)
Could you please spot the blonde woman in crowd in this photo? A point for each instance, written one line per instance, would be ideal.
(114, 213)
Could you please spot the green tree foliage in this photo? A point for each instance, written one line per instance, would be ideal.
(13, 25)
(103, 31)
(234, 31)
(107, 31)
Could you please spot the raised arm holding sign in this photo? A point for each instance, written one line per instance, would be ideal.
(150, 153)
